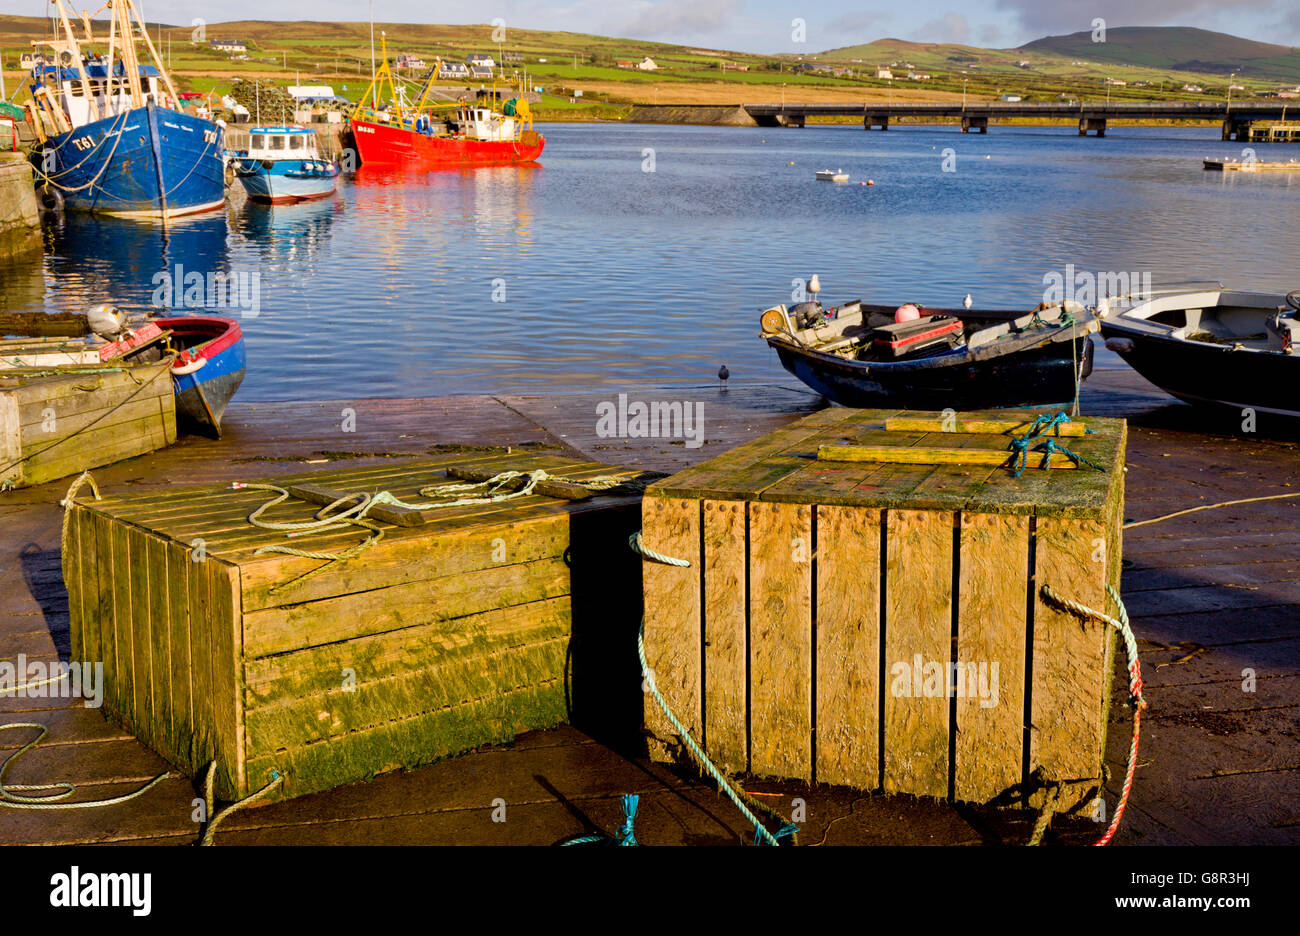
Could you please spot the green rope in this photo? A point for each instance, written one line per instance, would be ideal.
(1038, 429)
(13, 800)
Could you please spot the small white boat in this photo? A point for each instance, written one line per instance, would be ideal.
(282, 164)
(832, 175)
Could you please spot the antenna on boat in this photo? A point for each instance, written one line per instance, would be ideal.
(374, 91)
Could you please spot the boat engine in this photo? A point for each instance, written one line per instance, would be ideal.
(808, 315)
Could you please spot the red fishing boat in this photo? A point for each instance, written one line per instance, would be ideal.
(441, 135)
(474, 135)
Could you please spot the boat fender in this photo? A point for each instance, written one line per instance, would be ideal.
(1120, 345)
(51, 199)
(907, 313)
(267, 164)
(182, 367)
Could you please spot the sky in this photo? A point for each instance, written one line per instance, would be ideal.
(768, 25)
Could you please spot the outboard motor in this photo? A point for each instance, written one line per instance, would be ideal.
(808, 315)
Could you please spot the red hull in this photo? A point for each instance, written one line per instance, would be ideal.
(378, 143)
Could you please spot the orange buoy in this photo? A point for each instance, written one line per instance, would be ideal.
(871, 181)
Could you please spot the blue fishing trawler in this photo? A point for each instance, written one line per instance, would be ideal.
(112, 138)
(283, 164)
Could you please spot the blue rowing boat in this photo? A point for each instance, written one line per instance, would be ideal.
(282, 165)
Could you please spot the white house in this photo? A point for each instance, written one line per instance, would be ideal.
(481, 59)
(1010, 98)
(882, 72)
(647, 64)
(453, 70)
(229, 45)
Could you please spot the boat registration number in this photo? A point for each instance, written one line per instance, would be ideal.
(83, 143)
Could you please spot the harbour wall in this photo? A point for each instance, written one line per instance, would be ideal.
(20, 220)
(725, 115)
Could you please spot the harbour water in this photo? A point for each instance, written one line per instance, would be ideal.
(641, 253)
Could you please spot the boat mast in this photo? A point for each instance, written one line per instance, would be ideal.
(76, 52)
(110, 95)
(158, 62)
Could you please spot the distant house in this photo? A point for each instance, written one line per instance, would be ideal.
(233, 46)
(409, 61)
(1289, 95)
(1194, 88)
(918, 76)
(882, 72)
(1022, 64)
(480, 71)
(732, 66)
(647, 64)
(481, 59)
(453, 70)
(1010, 99)
(512, 57)
(1115, 82)
(625, 63)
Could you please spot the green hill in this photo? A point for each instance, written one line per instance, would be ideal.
(1177, 48)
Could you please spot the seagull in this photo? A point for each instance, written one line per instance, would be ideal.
(968, 301)
(814, 286)
(106, 321)
(723, 374)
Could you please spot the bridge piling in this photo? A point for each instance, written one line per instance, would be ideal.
(969, 123)
(1092, 123)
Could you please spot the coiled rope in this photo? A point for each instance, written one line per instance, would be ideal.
(13, 800)
(1136, 701)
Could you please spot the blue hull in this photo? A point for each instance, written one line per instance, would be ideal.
(287, 180)
(149, 162)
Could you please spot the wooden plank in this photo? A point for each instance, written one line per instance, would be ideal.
(918, 455)
(201, 622)
(103, 445)
(406, 743)
(918, 650)
(992, 629)
(180, 701)
(64, 324)
(441, 684)
(71, 563)
(84, 405)
(1070, 676)
(227, 679)
(672, 619)
(145, 718)
(105, 610)
(780, 648)
(89, 588)
(11, 447)
(122, 632)
(726, 704)
(848, 646)
(160, 635)
(376, 610)
(993, 426)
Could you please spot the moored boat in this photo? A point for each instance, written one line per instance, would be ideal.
(432, 135)
(832, 175)
(862, 355)
(206, 352)
(111, 136)
(283, 165)
(1216, 347)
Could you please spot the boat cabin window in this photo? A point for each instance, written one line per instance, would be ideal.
(275, 142)
(256, 141)
(296, 142)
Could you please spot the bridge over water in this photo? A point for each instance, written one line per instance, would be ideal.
(1235, 117)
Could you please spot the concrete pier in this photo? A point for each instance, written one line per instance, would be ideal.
(20, 220)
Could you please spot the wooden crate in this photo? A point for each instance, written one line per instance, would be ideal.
(811, 582)
(59, 425)
(480, 623)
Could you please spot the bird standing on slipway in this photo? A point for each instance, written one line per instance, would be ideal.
(723, 374)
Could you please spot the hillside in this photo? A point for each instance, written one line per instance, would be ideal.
(1143, 52)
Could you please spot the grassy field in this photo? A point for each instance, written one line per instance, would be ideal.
(338, 54)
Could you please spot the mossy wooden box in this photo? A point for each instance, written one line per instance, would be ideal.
(59, 425)
(441, 637)
(799, 642)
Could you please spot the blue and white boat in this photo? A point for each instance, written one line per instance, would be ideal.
(112, 138)
(283, 164)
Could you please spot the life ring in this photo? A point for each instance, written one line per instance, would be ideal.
(181, 367)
